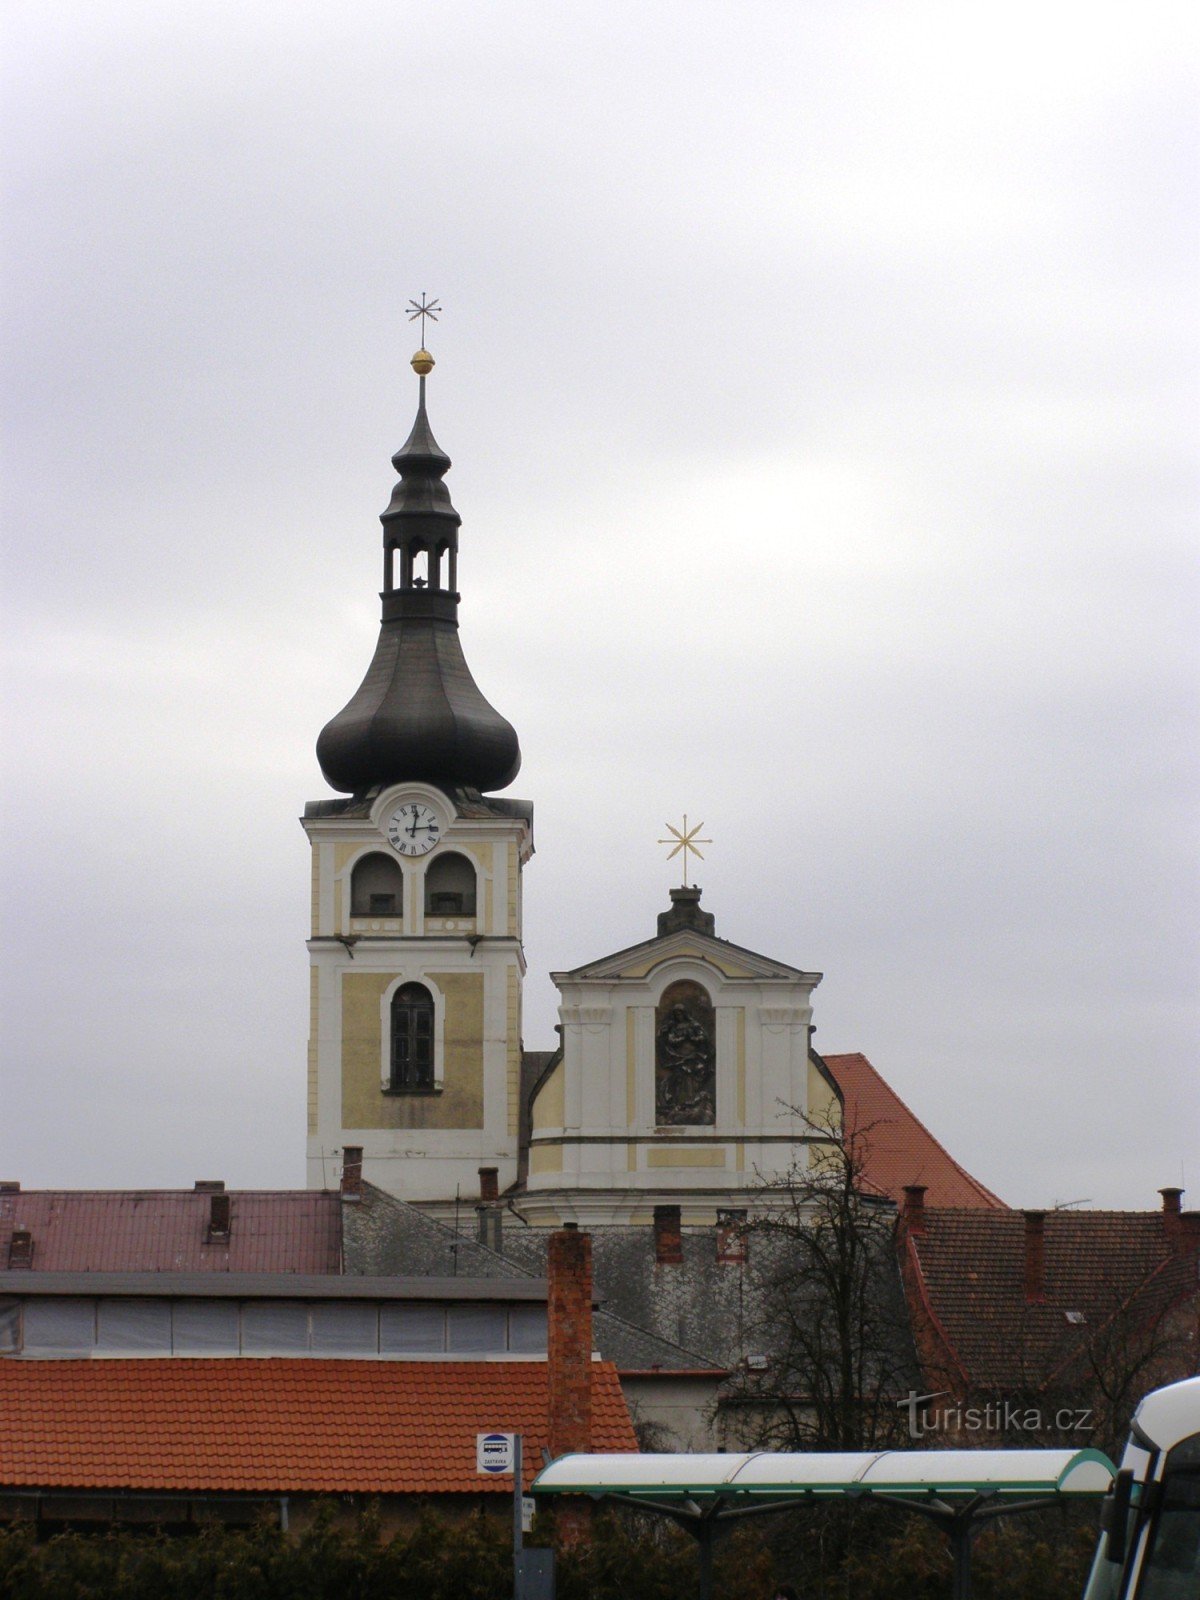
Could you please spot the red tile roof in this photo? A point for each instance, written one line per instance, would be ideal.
(899, 1148)
(166, 1230)
(279, 1426)
(971, 1277)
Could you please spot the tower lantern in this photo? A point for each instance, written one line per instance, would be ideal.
(415, 948)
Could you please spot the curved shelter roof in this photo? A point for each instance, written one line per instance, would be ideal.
(895, 1474)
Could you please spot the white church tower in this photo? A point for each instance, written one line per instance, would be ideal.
(685, 1078)
(415, 945)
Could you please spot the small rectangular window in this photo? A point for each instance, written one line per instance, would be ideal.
(345, 1327)
(10, 1324)
(527, 1330)
(60, 1324)
(476, 1328)
(412, 1330)
(204, 1327)
(274, 1327)
(383, 905)
(138, 1326)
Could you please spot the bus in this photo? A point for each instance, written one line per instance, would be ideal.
(1150, 1525)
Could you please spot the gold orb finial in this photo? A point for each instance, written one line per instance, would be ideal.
(422, 362)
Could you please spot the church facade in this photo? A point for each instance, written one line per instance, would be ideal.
(684, 1072)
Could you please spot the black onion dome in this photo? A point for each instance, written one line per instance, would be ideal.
(418, 713)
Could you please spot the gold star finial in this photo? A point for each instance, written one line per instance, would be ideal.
(684, 839)
(422, 362)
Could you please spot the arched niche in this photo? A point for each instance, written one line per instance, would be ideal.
(685, 1057)
(376, 887)
(450, 886)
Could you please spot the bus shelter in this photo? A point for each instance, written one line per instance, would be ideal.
(957, 1489)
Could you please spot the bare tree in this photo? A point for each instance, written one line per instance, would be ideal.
(829, 1309)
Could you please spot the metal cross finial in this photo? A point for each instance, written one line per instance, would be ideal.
(684, 839)
(427, 308)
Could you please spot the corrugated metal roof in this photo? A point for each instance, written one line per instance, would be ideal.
(898, 1147)
(279, 1425)
(166, 1230)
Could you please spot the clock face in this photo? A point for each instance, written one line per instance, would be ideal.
(413, 829)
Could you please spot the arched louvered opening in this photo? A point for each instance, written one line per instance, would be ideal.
(377, 887)
(450, 887)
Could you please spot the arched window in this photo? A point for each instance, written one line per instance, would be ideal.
(685, 1057)
(412, 1038)
(377, 887)
(450, 887)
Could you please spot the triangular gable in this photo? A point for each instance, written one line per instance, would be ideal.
(731, 960)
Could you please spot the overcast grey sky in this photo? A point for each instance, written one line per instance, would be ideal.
(820, 380)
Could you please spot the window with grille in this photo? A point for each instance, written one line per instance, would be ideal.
(412, 1038)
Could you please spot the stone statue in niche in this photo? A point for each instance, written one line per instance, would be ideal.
(685, 1071)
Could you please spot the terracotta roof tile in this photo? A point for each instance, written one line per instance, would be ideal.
(279, 1425)
(899, 1148)
(166, 1230)
(1095, 1263)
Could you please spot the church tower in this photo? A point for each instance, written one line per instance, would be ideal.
(416, 961)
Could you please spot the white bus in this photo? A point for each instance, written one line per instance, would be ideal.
(1150, 1546)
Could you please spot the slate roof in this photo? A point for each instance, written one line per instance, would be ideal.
(701, 1304)
(279, 1425)
(1100, 1264)
(899, 1147)
(166, 1230)
(385, 1235)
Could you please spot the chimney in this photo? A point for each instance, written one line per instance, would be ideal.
(218, 1216)
(912, 1208)
(569, 1341)
(20, 1248)
(1035, 1257)
(1172, 1216)
(668, 1236)
(731, 1238)
(489, 1184)
(10, 1186)
(491, 1217)
(352, 1172)
(209, 1185)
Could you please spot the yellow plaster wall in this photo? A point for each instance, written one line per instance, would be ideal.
(460, 1104)
(316, 891)
(740, 1025)
(685, 1156)
(312, 1049)
(513, 1045)
(545, 1158)
(549, 1106)
(630, 1066)
(824, 1108)
(514, 868)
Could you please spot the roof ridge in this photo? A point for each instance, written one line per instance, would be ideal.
(980, 1188)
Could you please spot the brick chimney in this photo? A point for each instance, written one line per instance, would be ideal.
(352, 1172)
(218, 1217)
(1172, 1217)
(1035, 1257)
(20, 1248)
(912, 1208)
(488, 1211)
(569, 1340)
(668, 1236)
